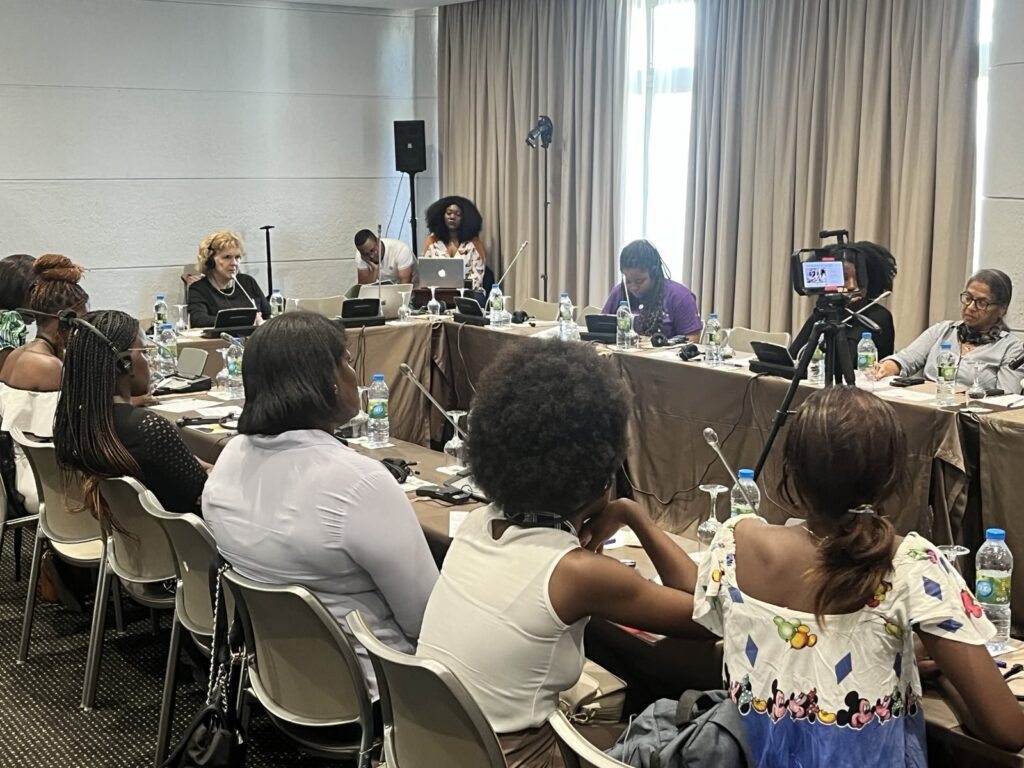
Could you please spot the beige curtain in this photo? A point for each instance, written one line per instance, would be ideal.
(853, 114)
(501, 63)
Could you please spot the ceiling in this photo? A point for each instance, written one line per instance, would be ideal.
(392, 4)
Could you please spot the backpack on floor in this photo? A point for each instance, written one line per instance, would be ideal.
(703, 728)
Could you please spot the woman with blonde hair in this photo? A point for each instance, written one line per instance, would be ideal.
(223, 285)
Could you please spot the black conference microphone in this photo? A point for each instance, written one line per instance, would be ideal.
(1016, 363)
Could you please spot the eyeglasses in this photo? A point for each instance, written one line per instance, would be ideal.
(966, 299)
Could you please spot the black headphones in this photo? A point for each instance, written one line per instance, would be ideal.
(209, 263)
(122, 360)
(660, 340)
(688, 352)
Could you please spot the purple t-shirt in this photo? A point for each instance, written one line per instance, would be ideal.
(679, 315)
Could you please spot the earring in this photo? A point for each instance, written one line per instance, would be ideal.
(335, 389)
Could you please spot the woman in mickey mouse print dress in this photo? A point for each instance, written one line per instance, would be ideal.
(819, 620)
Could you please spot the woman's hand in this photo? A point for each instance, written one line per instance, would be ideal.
(886, 368)
(602, 526)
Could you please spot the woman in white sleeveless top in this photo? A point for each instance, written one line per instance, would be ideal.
(518, 584)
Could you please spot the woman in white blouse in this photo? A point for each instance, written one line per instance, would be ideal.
(289, 504)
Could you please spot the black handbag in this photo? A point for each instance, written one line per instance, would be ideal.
(215, 738)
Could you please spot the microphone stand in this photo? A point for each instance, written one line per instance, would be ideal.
(270, 269)
(547, 204)
(407, 371)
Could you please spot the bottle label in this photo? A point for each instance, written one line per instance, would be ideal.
(378, 409)
(742, 509)
(992, 588)
(169, 351)
(712, 337)
(625, 324)
(235, 367)
(865, 360)
(947, 372)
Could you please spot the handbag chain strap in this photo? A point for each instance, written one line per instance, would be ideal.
(218, 675)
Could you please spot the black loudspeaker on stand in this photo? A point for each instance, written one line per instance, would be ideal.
(411, 158)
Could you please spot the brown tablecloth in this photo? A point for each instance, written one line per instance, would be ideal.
(667, 457)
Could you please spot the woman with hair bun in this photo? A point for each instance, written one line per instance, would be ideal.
(15, 278)
(455, 224)
(819, 620)
(31, 374)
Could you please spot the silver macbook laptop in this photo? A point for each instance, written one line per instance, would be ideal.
(390, 298)
(442, 273)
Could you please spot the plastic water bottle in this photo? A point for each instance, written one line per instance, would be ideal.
(816, 368)
(623, 325)
(495, 302)
(168, 350)
(233, 363)
(378, 432)
(945, 382)
(159, 313)
(867, 355)
(713, 341)
(740, 505)
(276, 303)
(994, 565)
(565, 321)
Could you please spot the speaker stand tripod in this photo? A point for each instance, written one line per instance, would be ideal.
(412, 209)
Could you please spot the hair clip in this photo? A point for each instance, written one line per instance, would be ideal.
(863, 509)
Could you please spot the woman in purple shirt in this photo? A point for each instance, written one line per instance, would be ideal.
(659, 303)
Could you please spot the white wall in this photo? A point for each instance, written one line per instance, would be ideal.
(129, 129)
(1002, 205)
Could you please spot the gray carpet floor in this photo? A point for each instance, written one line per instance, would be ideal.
(41, 724)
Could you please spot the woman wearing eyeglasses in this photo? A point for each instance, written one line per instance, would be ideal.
(981, 337)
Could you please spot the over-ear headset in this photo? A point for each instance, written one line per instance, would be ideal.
(688, 352)
(660, 340)
(68, 320)
(209, 263)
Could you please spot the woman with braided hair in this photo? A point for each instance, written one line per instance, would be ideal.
(98, 433)
(659, 303)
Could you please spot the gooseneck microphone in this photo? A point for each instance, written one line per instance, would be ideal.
(228, 338)
(405, 369)
(501, 280)
(711, 438)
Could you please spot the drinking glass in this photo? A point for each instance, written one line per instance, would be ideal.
(434, 306)
(706, 531)
(404, 311)
(358, 423)
(182, 323)
(975, 392)
(221, 379)
(952, 552)
(456, 447)
(727, 351)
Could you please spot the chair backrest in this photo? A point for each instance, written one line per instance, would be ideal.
(195, 557)
(433, 718)
(139, 549)
(60, 516)
(577, 752)
(740, 338)
(304, 670)
(328, 306)
(588, 310)
(541, 310)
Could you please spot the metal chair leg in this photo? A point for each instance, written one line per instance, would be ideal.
(30, 598)
(154, 622)
(115, 594)
(17, 554)
(99, 618)
(163, 733)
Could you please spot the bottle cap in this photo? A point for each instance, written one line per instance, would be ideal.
(159, 297)
(746, 474)
(564, 295)
(996, 534)
(713, 316)
(378, 377)
(624, 303)
(945, 345)
(277, 290)
(167, 327)
(866, 336)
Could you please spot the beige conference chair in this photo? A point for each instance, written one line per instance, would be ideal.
(740, 338)
(196, 558)
(577, 752)
(303, 670)
(590, 309)
(328, 306)
(139, 555)
(15, 524)
(540, 310)
(429, 716)
(73, 536)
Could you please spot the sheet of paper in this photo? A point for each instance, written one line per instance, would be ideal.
(904, 393)
(181, 406)
(212, 429)
(222, 394)
(1007, 401)
(362, 441)
(412, 483)
(219, 411)
(547, 333)
(455, 518)
(451, 469)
